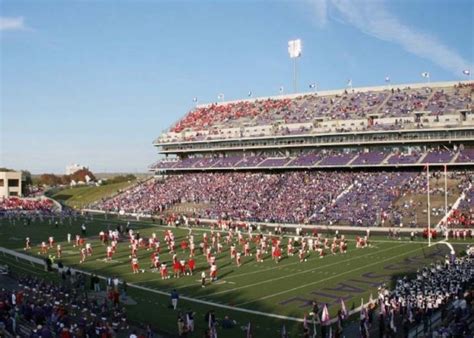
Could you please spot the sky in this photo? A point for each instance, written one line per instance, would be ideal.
(95, 82)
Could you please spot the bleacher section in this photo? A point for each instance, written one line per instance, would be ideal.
(322, 160)
(317, 197)
(379, 108)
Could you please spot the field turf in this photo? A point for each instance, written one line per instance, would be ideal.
(284, 289)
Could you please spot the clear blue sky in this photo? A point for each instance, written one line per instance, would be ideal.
(94, 82)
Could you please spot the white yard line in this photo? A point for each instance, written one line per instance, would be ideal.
(328, 278)
(302, 272)
(276, 267)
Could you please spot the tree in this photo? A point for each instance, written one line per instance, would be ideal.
(26, 175)
(80, 175)
(50, 179)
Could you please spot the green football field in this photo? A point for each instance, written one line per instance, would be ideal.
(254, 292)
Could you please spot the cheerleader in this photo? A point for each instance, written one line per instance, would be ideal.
(135, 267)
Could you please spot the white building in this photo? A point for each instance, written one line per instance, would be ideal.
(10, 183)
(72, 168)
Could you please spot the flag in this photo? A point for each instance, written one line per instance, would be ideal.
(249, 94)
(363, 313)
(249, 333)
(195, 99)
(212, 327)
(281, 89)
(349, 83)
(466, 72)
(387, 79)
(188, 321)
(325, 316)
(343, 309)
(426, 75)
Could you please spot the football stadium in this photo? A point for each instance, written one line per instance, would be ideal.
(345, 211)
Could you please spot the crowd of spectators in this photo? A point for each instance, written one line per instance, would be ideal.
(317, 197)
(60, 310)
(399, 103)
(16, 204)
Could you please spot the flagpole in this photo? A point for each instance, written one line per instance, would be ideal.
(429, 203)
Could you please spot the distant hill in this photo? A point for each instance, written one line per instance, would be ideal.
(111, 175)
(81, 196)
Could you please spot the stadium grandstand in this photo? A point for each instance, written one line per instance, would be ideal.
(330, 158)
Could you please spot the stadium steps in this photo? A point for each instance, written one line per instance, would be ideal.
(349, 188)
(236, 165)
(429, 97)
(215, 164)
(455, 157)
(455, 205)
(421, 159)
(385, 160)
(291, 159)
(380, 107)
(334, 104)
(352, 160)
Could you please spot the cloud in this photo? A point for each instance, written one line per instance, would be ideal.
(12, 23)
(372, 18)
(321, 12)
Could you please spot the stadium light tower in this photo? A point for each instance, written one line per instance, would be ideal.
(294, 49)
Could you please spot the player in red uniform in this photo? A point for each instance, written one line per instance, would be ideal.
(164, 271)
(191, 265)
(184, 245)
(182, 267)
(102, 237)
(301, 255)
(238, 259)
(247, 249)
(213, 272)
(259, 256)
(110, 252)
(176, 269)
(135, 266)
(277, 254)
(44, 248)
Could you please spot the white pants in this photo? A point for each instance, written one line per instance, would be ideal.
(174, 301)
